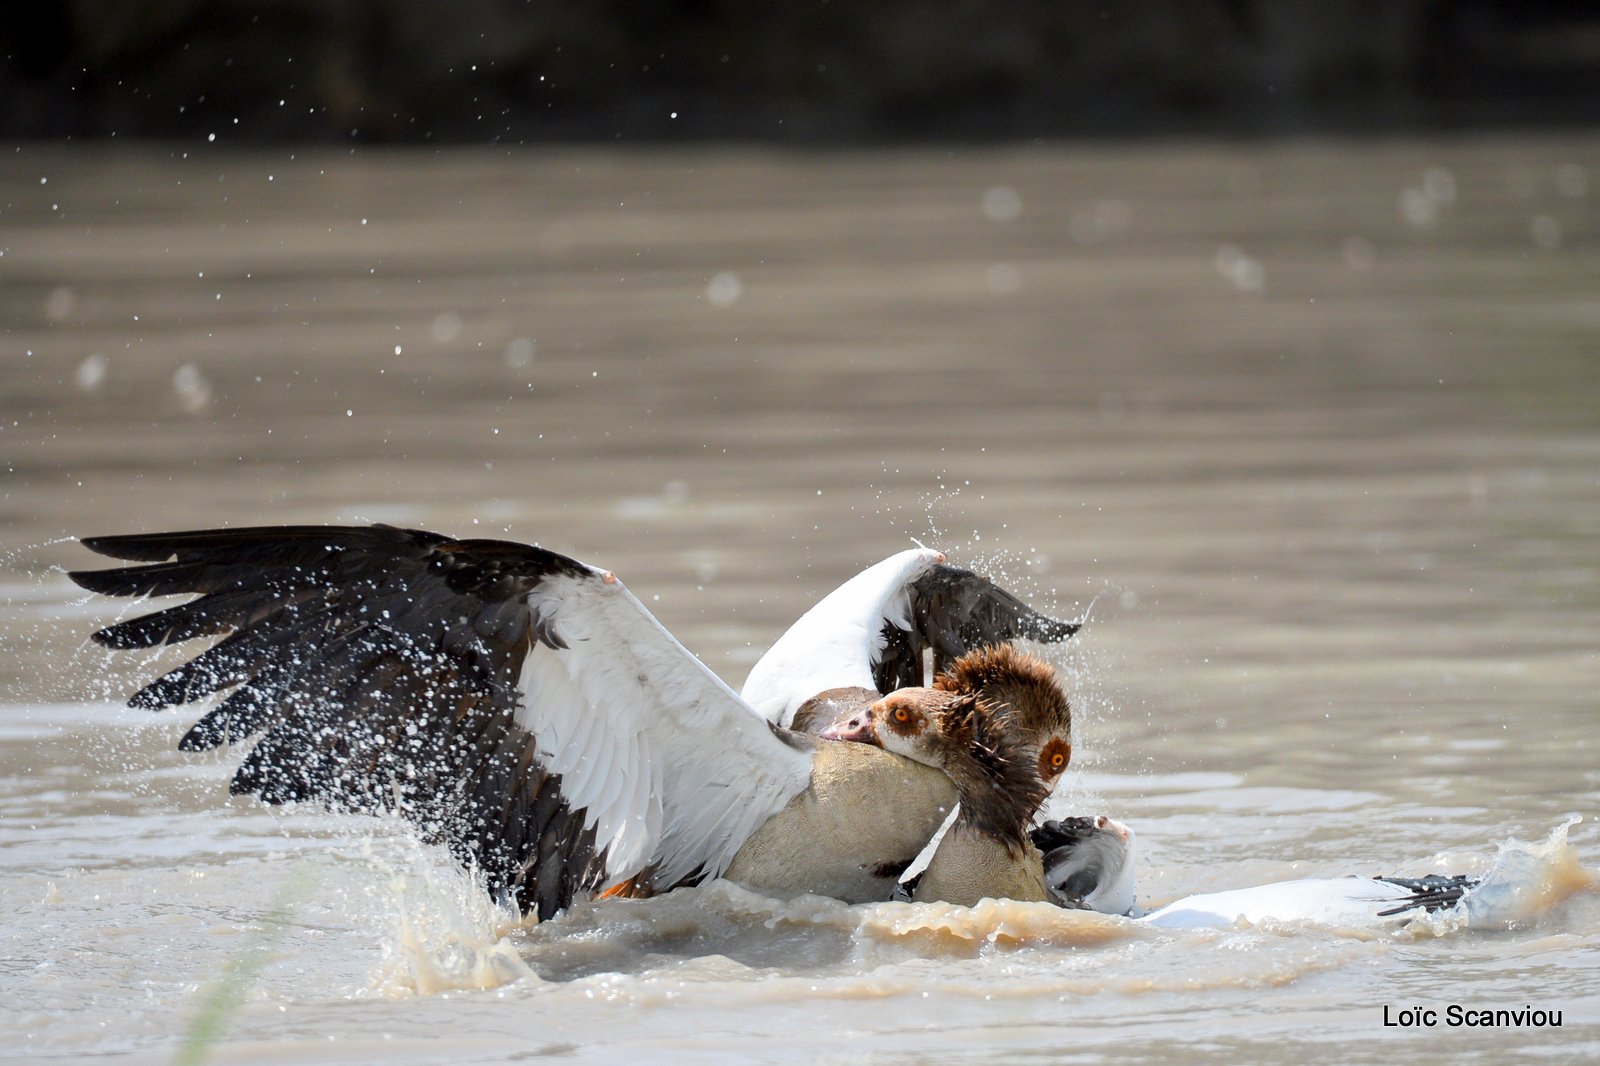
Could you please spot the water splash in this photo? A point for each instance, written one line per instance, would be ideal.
(443, 932)
(1525, 884)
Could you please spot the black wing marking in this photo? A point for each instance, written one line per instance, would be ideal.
(1068, 876)
(379, 667)
(1432, 893)
(1062, 833)
(954, 611)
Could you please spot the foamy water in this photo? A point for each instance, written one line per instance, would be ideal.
(1324, 463)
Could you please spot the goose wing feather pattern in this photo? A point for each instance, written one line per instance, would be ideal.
(516, 704)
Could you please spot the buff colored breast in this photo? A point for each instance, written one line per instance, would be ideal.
(866, 814)
(969, 865)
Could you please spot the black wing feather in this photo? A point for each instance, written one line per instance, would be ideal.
(1434, 892)
(954, 611)
(378, 667)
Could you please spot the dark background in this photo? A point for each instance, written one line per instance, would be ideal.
(804, 70)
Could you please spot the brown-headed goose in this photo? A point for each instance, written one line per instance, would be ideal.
(518, 705)
(1083, 863)
(999, 725)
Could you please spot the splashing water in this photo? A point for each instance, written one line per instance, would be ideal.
(445, 932)
(1525, 882)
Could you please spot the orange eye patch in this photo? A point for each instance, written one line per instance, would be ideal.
(1053, 758)
(903, 719)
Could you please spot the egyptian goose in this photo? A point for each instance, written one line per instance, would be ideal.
(516, 704)
(999, 725)
(1092, 859)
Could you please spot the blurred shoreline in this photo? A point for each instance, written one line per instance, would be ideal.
(488, 71)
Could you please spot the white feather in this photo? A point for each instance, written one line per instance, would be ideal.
(1347, 901)
(836, 642)
(669, 765)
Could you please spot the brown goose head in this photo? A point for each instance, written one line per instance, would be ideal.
(907, 721)
(996, 722)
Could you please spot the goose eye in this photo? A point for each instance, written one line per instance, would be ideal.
(902, 715)
(1053, 758)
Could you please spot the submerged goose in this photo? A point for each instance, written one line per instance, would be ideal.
(1091, 855)
(1087, 863)
(998, 724)
(522, 707)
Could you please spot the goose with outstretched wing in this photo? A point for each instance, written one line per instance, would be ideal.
(868, 637)
(516, 704)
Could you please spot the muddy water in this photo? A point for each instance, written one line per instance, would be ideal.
(1315, 427)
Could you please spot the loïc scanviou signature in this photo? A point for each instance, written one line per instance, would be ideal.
(1456, 1015)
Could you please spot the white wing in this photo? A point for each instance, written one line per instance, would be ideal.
(671, 767)
(1347, 901)
(836, 642)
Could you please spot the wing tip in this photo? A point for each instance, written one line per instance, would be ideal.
(134, 547)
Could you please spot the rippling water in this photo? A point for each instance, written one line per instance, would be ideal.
(1315, 427)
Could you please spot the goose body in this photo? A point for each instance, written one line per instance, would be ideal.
(527, 710)
(855, 828)
(970, 865)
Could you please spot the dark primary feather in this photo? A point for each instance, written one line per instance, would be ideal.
(1434, 892)
(954, 611)
(379, 668)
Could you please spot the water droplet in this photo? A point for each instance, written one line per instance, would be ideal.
(1001, 203)
(91, 373)
(59, 304)
(520, 352)
(1246, 273)
(1546, 232)
(192, 389)
(1418, 208)
(724, 289)
(1003, 279)
(446, 327)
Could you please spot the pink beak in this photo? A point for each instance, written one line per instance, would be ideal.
(861, 729)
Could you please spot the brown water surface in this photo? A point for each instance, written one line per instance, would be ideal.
(1315, 426)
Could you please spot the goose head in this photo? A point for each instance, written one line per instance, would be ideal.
(909, 722)
(996, 722)
(1088, 863)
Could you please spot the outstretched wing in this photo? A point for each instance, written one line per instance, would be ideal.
(838, 642)
(871, 632)
(517, 704)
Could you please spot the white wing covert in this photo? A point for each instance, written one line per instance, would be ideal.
(672, 768)
(838, 641)
(871, 632)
